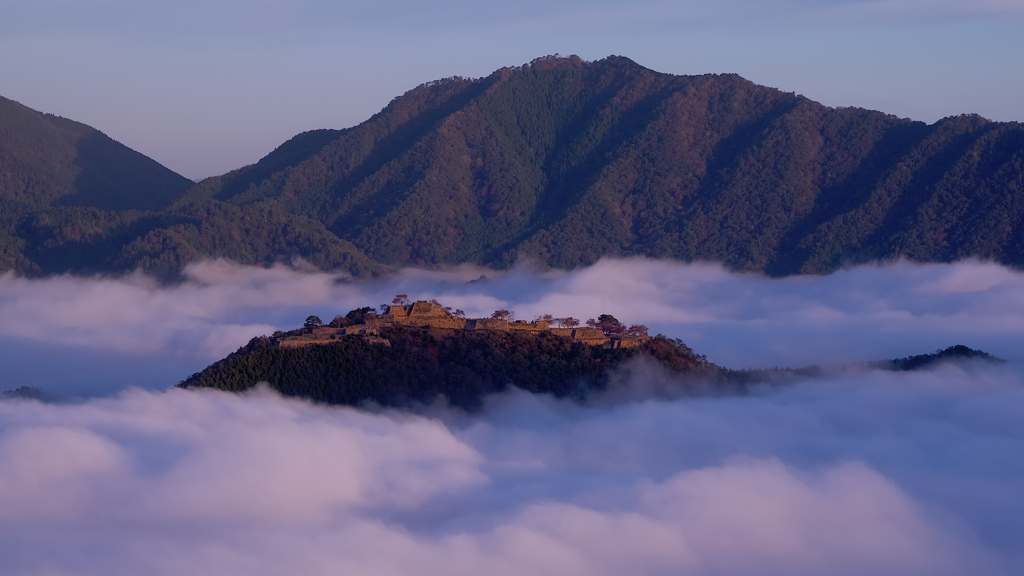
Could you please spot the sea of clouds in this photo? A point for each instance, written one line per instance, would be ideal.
(855, 472)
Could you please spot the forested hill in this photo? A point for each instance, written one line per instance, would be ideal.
(48, 161)
(54, 172)
(564, 161)
(407, 365)
(417, 365)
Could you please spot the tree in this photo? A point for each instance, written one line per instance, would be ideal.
(547, 318)
(459, 313)
(400, 300)
(608, 324)
(503, 315)
(570, 322)
(358, 316)
(637, 330)
(313, 322)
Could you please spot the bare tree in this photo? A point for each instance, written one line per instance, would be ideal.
(401, 300)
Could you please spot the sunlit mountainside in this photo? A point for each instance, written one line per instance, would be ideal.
(560, 161)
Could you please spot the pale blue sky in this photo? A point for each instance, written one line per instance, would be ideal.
(208, 86)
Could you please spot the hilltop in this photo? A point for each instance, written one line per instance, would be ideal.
(563, 161)
(415, 352)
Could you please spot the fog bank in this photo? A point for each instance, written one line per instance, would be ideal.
(93, 335)
(870, 473)
(855, 472)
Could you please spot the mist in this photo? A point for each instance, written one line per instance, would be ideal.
(856, 471)
(95, 336)
(880, 473)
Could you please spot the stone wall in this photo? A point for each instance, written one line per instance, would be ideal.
(487, 324)
(627, 341)
(422, 313)
(427, 314)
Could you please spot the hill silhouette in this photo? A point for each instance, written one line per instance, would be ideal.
(564, 161)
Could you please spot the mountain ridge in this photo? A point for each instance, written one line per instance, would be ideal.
(563, 161)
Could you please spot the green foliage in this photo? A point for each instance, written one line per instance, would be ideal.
(560, 161)
(48, 161)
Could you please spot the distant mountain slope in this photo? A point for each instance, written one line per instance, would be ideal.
(73, 200)
(48, 161)
(564, 161)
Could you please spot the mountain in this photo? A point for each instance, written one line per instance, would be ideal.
(74, 200)
(48, 161)
(52, 168)
(563, 161)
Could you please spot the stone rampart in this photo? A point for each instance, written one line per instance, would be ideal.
(487, 324)
(430, 315)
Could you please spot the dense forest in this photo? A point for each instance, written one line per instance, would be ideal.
(560, 161)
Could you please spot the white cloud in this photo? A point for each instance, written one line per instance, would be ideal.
(868, 473)
(861, 471)
(864, 313)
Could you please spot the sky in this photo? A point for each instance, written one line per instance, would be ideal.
(852, 472)
(208, 86)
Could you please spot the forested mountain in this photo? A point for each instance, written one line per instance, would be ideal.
(564, 161)
(74, 200)
(48, 161)
(52, 169)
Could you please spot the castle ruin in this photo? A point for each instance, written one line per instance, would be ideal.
(431, 315)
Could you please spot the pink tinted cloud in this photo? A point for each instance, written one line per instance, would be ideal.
(862, 313)
(836, 476)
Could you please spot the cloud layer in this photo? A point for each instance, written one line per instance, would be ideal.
(854, 472)
(141, 333)
(871, 473)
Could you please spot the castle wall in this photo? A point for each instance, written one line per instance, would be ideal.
(429, 315)
(487, 324)
(442, 322)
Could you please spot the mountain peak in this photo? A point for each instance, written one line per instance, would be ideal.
(563, 161)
